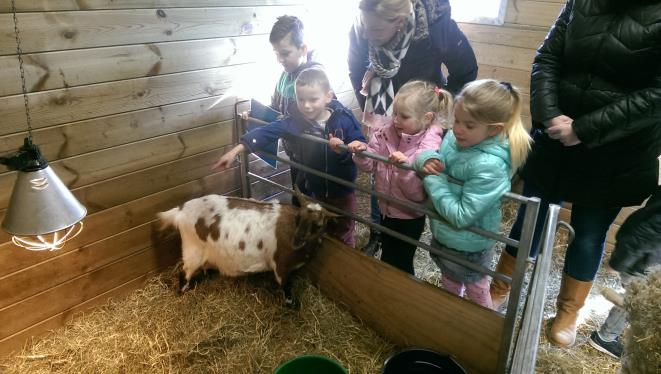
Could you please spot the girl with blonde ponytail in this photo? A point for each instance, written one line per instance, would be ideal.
(485, 147)
(419, 110)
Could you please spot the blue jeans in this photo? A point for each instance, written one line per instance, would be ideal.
(585, 252)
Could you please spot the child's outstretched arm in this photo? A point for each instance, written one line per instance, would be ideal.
(226, 160)
(486, 186)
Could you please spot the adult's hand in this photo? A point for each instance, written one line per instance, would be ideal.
(560, 128)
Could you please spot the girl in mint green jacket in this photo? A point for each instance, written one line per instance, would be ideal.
(486, 145)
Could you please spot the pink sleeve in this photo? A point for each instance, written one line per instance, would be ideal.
(365, 163)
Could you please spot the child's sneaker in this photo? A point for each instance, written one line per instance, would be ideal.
(612, 348)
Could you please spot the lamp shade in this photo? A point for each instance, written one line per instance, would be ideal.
(40, 203)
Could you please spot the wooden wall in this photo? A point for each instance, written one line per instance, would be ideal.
(131, 104)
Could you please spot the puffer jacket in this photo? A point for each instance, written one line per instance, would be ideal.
(446, 45)
(342, 124)
(485, 170)
(638, 242)
(391, 180)
(600, 65)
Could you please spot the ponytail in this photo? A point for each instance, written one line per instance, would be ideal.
(516, 133)
(444, 108)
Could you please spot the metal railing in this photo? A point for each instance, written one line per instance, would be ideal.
(515, 352)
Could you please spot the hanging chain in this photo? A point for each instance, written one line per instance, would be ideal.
(20, 65)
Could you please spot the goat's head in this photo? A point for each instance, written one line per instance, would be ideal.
(311, 221)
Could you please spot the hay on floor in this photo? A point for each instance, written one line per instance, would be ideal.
(642, 340)
(222, 326)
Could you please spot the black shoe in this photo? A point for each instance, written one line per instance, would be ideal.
(373, 244)
(612, 348)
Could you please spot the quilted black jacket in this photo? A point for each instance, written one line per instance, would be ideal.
(638, 242)
(600, 65)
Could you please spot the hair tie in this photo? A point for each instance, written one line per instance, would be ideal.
(437, 91)
(507, 85)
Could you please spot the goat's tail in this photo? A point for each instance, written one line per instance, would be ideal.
(169, 218)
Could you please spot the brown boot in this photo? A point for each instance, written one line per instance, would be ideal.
(571, 299)
(500, 290)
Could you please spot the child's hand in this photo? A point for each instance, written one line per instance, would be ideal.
(228, 158)
(245, 115)
(433, 166)
(357, 146)
(335, 143)
(224, 162)
(397, 157)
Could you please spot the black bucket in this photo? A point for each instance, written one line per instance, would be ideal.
(421, 361)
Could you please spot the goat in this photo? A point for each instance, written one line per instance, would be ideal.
(244, 236)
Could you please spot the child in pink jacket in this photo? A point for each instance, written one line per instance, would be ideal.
(418, 108)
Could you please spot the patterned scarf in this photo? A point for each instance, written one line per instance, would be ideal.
(385, 61)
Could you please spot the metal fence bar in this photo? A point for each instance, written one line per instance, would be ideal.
(429, 248)
(525, 351)
(513, 306)
(244, 164)
(404, 203)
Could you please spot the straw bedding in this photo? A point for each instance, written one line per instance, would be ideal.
(241, 326)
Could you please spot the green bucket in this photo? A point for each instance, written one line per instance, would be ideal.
(313, 364)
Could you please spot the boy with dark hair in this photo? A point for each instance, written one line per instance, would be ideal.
(315, 113)
(292, 53)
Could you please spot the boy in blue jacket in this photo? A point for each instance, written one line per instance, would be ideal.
(315, 113)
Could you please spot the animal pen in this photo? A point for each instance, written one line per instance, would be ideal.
(485, 341)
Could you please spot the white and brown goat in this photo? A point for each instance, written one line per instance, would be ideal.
(244, 236)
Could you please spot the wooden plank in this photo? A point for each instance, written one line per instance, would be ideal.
(52, 5)
(408, 311)
(52, 70)
(77, 138)
(512, 36)
(517, 77)
(35, 279)
(503, 56)
(80, 103)
(97, 166)
(54, 31)
(15, 342)
(535, 13)
(44, 305)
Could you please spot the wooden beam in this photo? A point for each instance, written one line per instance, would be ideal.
(77, 138)
(55, 31)
(51, 5)
(65, 296)
(64, 69)
(512, 36)
(13, 343)
(503, 56)
(408, 311)
(62, 106)
(535, 13)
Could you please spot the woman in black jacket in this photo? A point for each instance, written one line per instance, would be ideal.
(596, 110)
(395, 41)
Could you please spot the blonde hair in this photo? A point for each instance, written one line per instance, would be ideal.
(490, 102)
(421, 97)
(387, 9)
(313, 77)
